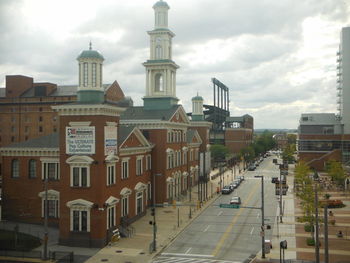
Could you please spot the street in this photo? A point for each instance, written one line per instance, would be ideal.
(228, 234)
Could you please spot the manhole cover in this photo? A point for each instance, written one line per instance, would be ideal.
(168, 211)
(142, 253)
(104, 260)
(118, 251)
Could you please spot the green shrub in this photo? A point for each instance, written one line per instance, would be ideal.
(308, 228)
(310, 241)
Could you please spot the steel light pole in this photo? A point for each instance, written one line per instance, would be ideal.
(262, 217)
(46, 211)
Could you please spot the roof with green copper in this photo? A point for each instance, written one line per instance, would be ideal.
(197, 98)
(90, 54)
(161, 4)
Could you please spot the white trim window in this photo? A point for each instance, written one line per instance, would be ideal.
(111, 174)
(80, 176)
(191, 155)
(79, 170)
(111, 222)
(139, 202)
(148, 162)
(169, 161)
(125, 168)
(139, 169)
(184, 157)
(50, 169)
(80, 215)
(125, 205)
(53, 198)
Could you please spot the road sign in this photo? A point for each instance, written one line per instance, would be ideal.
(229, 206)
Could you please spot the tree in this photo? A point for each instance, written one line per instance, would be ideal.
(288, 153)
(219, 151)
(336, 172)
(305, 192)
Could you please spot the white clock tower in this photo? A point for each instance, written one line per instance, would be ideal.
(160, 68)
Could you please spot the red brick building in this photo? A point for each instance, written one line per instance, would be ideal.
(106, 161)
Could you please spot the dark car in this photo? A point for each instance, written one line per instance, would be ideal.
(241, 178)
(251, 167)
(274, 180)
(226, 190)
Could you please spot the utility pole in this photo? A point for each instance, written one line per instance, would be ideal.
(280, 166)
(154, 214)
(46, 211)
(317, 243)
(262, 217)
(326, 255)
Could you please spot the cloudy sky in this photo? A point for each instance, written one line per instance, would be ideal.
(278, 57)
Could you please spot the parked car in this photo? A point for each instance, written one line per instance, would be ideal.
(237, 181)
(226, 190)
(235, 200)
(251, 167)
(241, 178)
(274, 180)
(233, 185)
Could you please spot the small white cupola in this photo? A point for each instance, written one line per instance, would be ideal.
(90, 88)
(161, 14)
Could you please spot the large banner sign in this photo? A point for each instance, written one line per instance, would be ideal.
(111, 136)
(80, 140)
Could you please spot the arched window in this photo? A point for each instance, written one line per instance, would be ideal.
(159, 82)
(94, 74)
(15, 168)
(32, 168)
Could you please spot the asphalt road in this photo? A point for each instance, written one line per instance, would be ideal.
(227, 234)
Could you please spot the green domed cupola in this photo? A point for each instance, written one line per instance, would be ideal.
(90, 88)
(197, 108)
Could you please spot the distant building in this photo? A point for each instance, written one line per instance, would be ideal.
(25, 106)
(281, 140)
(324, 136)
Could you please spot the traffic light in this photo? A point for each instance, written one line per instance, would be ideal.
(153, 211)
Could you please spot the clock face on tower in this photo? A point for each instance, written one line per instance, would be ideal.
(158, 40)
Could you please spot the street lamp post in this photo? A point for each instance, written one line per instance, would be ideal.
(262, 217)
(46, 211)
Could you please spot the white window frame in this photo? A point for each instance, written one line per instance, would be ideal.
(125, 171)
(148, 162)
(80, 178)
(111, 176)
(45, 163)
(139, 195)
(124, 202)
(78, 161)
(111, 216)
(52, 195)
(80, 205)
(139, 166)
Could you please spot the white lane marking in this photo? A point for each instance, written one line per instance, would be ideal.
(192, 255)
(188, 250)
(220, 213)
(251, 232)
(258, 215)
(206, 229)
